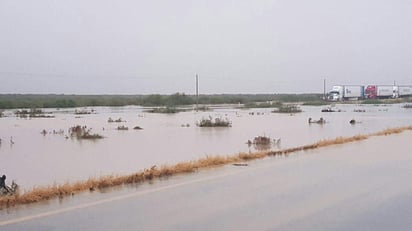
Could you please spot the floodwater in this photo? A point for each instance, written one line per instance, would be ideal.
(41, 160)
(357, 186)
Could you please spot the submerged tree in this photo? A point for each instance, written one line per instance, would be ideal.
(82, 132)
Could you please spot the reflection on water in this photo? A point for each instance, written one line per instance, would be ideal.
(264, 146)
(40, 151)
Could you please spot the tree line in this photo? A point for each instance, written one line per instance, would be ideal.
(12, 101)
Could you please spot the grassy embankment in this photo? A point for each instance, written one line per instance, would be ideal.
(44, 193)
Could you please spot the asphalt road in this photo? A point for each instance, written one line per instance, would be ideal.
(359, 186)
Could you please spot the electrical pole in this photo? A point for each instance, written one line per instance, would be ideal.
(197, 92)
(324, 89)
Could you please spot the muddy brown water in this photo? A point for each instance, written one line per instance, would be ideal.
(41, 160)
(357, 186)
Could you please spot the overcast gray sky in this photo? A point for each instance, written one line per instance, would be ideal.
(145, 47)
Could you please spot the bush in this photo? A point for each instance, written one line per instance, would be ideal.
(166, 110)
(217, 122)
(82, 132)
(288, 109)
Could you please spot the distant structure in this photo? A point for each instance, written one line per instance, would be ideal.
(197, 92)
(356, 92)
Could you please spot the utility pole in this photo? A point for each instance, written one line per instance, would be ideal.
(197, 92)
(324, 89)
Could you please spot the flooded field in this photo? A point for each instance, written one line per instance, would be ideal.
(356, 186)
(32, 157)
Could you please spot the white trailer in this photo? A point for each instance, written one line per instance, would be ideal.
(404, 91)
(353, 92)
(346, 92)
(383, 91)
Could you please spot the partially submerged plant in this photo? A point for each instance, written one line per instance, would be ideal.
(32, 113)
(270, 104)
(321, 120)
(289, 108)
(82, 132)
(122, 128)
(110, 120)
(216, 122)
(11, 190)
(166, 110)
(202, 108)
(262, 140)
(83, 112)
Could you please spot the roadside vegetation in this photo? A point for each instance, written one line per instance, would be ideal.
(386, 101)
(13, 101)
(68, 189)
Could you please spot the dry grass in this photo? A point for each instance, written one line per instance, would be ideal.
(55, 191)
(391, 131)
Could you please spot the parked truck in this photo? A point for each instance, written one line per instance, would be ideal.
(380, 91)
(346, 92)
(404, 91)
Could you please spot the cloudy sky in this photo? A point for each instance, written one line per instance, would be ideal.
(155, 46)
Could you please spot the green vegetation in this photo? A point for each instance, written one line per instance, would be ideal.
(203, 108)
(122, 128)
(32, 113)
(373, 101)
(110, 120)
(316, 103)
(83, 112)
(82, 132)
(12, 101)
(217, 122)
(289, 108)
(166, 110)
(15, 101)
(165, 100)
(386, 101)
(263, 105)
